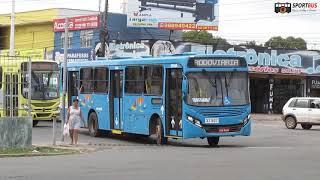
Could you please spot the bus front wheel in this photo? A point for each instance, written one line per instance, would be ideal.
(35, 123)
(213, 141)
(93, 125)
(160, 133)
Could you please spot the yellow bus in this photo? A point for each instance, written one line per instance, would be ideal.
(14, 88)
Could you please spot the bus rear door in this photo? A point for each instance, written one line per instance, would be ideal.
(115, 100)
(174, 102)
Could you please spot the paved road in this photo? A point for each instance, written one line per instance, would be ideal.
(272, 152)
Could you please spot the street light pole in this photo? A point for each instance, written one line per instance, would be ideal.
(64, 91)
(11, 53)
(105, 29)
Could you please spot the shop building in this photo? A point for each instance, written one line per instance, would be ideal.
(33, 31)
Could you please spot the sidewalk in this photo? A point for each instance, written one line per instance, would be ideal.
(266, 117)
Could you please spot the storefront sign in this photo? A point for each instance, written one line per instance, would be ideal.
(315, 84)
(74, 55)
(32, 53)
(77, 23)
(126, 49)
(271, 84)
(173, 15)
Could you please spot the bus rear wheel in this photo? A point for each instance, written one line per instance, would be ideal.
(35, 123)
(160, 133)
(93, 125)
(213, 141)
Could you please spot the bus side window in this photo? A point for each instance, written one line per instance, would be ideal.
(153, 76)
(101, 77)
(86, 80)
(134, 83)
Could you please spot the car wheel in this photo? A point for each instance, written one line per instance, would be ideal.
(291, 122)
(213, 141)
(306, 126)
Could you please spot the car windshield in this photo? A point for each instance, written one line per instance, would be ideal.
(218, 88)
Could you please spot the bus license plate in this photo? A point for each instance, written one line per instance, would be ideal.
(223, 130)
(212, 120)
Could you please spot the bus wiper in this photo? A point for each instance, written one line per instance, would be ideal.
(228, 83)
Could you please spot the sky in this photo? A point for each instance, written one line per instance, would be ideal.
(241, 20)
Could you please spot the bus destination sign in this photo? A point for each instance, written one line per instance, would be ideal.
(214, 62)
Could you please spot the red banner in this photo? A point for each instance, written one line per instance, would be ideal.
(77, 23)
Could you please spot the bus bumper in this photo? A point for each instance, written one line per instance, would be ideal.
(193, 131)
(47, 116)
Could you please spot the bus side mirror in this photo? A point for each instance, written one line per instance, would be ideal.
(185, 86)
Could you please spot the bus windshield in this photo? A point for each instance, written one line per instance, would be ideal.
(44, 85)
(218, 88)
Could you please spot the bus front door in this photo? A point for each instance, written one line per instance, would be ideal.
(174, 102)
(73, 86)
(115, 99)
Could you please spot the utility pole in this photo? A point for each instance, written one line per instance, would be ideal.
(64, 91)
(11, 53)
(104, 32)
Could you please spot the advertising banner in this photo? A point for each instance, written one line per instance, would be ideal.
(74, 55)
(173, 14)
(77, 23)
(126, 49)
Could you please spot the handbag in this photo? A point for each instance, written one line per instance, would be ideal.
(66, 129)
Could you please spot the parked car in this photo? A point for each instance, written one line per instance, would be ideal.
(301, 110)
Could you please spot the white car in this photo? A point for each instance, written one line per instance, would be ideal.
(301, 110)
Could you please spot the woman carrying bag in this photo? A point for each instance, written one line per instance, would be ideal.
(74, 121)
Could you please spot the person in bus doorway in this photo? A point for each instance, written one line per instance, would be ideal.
(74, 120)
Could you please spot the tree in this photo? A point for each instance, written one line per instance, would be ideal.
(251, 44)
(203, 37)
(288, 43)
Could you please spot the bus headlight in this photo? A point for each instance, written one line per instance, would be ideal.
(25, 107)
(246, 120)
(194, 121)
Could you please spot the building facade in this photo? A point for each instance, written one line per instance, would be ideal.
(33, 31)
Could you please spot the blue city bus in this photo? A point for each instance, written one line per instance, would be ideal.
(173, 96)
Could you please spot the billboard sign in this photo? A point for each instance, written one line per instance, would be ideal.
(173, 14)
(77, 23)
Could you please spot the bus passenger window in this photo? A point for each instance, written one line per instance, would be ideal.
(101, 77)
(134, 83)
(153, 76)
(86, 80)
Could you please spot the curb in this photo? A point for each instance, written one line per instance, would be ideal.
(35, 154)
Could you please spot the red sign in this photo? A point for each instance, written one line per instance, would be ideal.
(77, 23)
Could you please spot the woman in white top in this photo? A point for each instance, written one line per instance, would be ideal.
(74, 120)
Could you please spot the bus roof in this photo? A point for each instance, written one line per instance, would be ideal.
(166, 59)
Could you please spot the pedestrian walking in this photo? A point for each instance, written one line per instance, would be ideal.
(74, 120)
